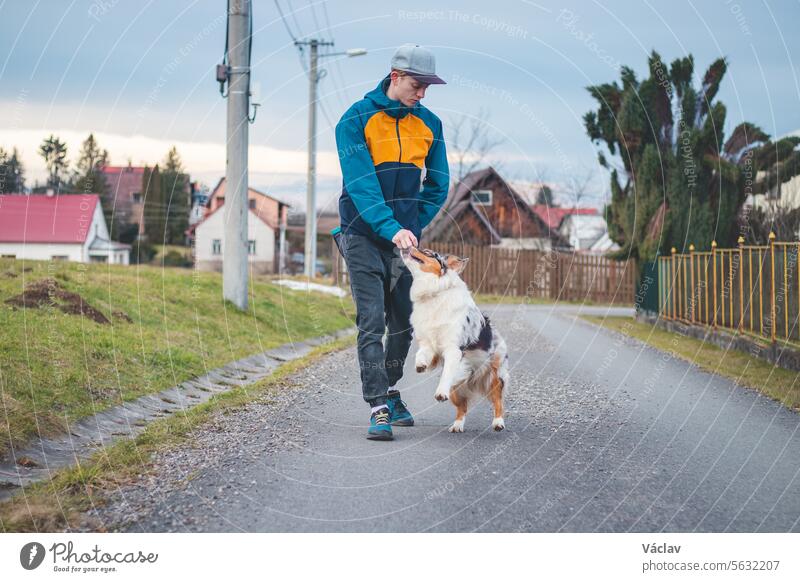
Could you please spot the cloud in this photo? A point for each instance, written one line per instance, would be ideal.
(201, 159)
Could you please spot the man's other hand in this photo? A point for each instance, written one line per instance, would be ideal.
(404, 239)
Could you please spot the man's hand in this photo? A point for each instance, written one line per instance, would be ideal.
(404, 239)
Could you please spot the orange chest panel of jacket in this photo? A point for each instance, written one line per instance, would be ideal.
(405, 140)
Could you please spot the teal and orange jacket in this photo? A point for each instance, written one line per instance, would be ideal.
(383, 147)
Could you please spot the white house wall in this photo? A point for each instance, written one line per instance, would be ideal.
(45, 251)
(213, 228)
(96, 229)
(790, 196)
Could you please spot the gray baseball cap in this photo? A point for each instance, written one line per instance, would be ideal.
(418, 62)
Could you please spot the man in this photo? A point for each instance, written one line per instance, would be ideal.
(384, 142)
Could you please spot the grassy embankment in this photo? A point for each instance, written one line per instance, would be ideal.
(61, 502)
(163, 326)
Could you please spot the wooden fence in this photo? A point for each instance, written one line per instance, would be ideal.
(754, 289)
(540, 274)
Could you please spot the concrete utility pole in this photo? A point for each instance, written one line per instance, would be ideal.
(235, 246)
(311, 189)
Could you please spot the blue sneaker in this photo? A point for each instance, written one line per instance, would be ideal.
(379, 427)
(400, 414)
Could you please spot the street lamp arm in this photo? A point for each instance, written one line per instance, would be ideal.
(349, 53)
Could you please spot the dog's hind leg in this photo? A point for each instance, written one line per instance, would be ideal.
(461, 403)
(496, 395)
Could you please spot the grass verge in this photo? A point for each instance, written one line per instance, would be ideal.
(59, 503)
(76, 339)
(777, 383)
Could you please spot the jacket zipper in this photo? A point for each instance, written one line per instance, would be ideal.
(399, 142)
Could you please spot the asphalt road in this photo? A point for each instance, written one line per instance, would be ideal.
(603, 434)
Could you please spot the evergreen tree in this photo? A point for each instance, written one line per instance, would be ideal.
(91, 158)
(12, 173)
(153, 214)
(88, 178)
(545, 195)
(54, 152)
(16, 174)
(4, 160)
(672, 181)
(175, 191)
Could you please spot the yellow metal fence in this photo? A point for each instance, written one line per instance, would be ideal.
(753, 289)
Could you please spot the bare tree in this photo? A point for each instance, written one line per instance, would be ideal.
(756, 224)
(578, 186)
(471, 142)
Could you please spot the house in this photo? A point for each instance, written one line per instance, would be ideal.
(64, 227)
(554, 215)
(266, 232)
(483, 209)
(296, 239)
(784, 195)
(603, 245)
(587, 232)
(200, 197)
(125, 189)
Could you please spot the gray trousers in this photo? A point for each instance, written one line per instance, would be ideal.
(380, 283)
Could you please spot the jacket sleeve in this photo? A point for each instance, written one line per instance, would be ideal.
(360, 179)
(437, 179)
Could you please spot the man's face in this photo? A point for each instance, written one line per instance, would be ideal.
(408, 90)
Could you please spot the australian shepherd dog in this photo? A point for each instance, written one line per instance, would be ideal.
(452, 331)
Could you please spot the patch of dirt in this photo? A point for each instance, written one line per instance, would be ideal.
(27, 462)
(50, 292)
(123, 316)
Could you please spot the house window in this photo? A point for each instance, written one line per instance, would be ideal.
(137, 197)
(482, 197)
(216, 247)
(251, 247)
(59, 258)
(252, 203)
(9, 256)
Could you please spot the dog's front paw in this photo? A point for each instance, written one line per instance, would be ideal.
(457, 426)
(498, 424)
(421, 368)
(441, 396)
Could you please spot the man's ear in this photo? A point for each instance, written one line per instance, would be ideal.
(456, 263)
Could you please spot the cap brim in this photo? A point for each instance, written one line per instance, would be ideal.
(427, 79)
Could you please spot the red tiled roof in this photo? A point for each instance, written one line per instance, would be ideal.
(119, 169)
(46, 219)
(553, 215)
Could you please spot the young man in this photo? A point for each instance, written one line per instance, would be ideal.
(384, 142)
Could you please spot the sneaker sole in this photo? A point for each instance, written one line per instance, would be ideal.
(380, 437)
(403, 423)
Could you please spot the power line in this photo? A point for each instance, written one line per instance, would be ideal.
(283, 19)
(341, 93)
(314, 15)
(292, 36)
(293, 13)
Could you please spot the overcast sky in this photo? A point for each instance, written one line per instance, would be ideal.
(140, 74)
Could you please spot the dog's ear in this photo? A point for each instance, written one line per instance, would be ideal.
(456, 263)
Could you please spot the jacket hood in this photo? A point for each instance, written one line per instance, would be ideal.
(390, 106)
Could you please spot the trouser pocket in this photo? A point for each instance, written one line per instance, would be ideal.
(338, 238)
